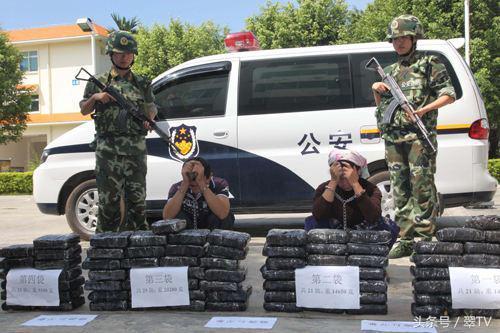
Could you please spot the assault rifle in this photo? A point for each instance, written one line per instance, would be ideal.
(130, 108)
(399, 99)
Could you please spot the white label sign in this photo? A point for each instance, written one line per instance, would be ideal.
(475, 288)
(394, 326)
(60, 320)
(33, 287)
(265, 323)
(159, 286)
(327, 287)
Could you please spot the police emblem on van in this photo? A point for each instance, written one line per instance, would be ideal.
(184, 138)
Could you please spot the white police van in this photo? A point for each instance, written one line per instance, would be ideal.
(266, 121)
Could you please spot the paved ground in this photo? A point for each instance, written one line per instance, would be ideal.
(21, 222)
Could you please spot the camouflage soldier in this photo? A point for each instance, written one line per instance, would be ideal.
(425, 82)
(120, 143)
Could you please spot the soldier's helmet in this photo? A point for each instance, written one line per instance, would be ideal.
(405, 25)
(121, 42)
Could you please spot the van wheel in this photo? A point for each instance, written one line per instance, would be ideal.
(82, 207)
(383, 182)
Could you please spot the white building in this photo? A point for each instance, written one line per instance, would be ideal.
(52, 57)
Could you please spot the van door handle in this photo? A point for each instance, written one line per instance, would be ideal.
(222, 134)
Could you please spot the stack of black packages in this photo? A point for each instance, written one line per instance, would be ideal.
(224, 276)
(185, 247)
(108, 271)
(368, 249)
(14, 256)
(327, 247)
(475, 245)
(286, 251)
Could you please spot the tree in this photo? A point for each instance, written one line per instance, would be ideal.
(444, 19)
(161, 48)
(310, 23)
(124, 24)
(14, 103)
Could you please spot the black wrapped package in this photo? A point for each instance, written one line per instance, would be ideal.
(198, 295)
(481, 248)
(56, 264)
(219, 286)
(482, 222)
(427, 310)
(103, 285)
(282, 307)
(367, 261)
(228, 238)
(372, 309)
(492, 236)
(373, 286)
(327, 236)
(280, 296)
(227, 252)
(285, 263)
(105, 253)
(481, 260)
(3, 263)
(3, 274)
(179, 261)
(68, 296)
(432, 287)
(99, 264)
(276, 275)
(56, 241)
(145, 252)
(226, 306)
(147, 238)
(433, 299)
(225, 275)
(196, 273)
(279, 285)
(119, 274)
(373, 298)
(193, 284)
(371, 273)
(17, 251)
(437, 260)
(241, 295)
(430, 273)
(286, 237)
(369, 237)
(72, 284)
(126, 284)
(66, 254)
(18, 262)
(331, 249)
(185, 250)
(189, 237)
(108, 296)
(325, 260)
(424, 247)
(369, 249)
(284, 251)
(171, 226)
(110, 239)
(220, 263)
(108, 306)
(139, 263)
(460, 235)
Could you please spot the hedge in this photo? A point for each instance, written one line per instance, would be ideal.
(16, 182)
(494, 168)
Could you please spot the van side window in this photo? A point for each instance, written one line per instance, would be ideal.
(193, 96)
(294, 85)
(363, 79)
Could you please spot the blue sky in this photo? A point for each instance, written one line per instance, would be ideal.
(40, 13)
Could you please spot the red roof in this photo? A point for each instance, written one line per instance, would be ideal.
(54, 32)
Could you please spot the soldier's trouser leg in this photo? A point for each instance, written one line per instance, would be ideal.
(134, 174)
(396, 155)
(109, 186)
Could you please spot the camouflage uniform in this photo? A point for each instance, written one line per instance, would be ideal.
(423, 79)
(120, 147)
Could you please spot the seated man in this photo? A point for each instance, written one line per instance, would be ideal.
(347, 200)
(200, 199)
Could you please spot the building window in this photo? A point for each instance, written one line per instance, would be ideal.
(34, 106)
(29, 63)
